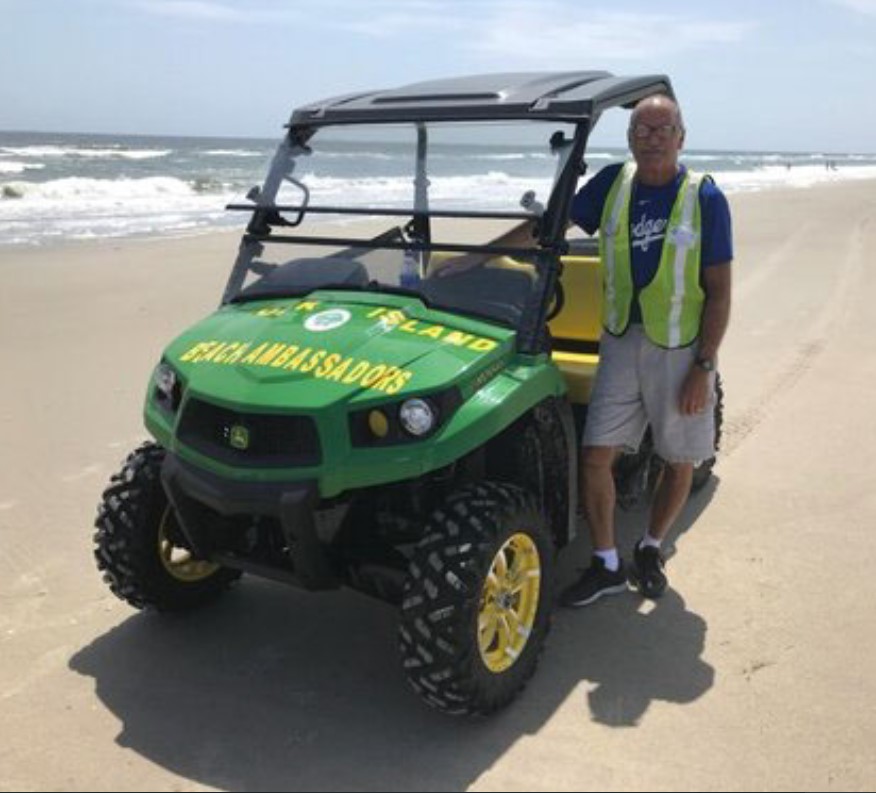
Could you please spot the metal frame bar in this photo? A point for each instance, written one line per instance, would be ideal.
(393, 246)
(386, 212)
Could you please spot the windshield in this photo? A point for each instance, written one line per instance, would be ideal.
(500, 289)
(472, 166)
(406, 209)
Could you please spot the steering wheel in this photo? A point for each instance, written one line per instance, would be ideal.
(558, 302)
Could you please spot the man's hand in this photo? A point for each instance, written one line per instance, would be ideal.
(695, 392)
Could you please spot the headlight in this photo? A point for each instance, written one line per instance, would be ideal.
(409, 420)
(165, 380)
(168, 389)
(417, 417)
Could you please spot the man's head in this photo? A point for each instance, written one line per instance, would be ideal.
(656, 136)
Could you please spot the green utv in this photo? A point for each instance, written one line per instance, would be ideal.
(348, 417)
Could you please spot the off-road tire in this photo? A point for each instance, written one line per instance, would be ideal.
(703, 472)
(443, 597)
(129, 521)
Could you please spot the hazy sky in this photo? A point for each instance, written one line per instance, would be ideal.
(764, 74)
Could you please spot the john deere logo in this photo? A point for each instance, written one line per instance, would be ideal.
(328, 320)
(238, 437)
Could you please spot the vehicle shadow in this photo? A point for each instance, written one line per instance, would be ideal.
(276, 689)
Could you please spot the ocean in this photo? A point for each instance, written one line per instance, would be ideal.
(56, 187)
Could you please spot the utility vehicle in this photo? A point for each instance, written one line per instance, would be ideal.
(348, 417)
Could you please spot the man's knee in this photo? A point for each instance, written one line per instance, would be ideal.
(594, 458)
(678, 476)
(679, 470)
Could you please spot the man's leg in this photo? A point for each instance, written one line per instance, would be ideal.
(597, 487)
(677, 437)
(615, 420)
(606, 574)
(671, 495)
(670, 498)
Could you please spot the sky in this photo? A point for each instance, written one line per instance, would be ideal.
(778, 75)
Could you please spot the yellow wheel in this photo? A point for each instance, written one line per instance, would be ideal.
(138, 545)
(476, 604)
(178, 561)
(509, 602)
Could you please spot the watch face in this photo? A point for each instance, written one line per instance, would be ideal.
(706, 363)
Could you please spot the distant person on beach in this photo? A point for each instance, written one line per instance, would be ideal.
(666, 247)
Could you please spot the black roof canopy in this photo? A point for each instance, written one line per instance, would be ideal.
(557, 96)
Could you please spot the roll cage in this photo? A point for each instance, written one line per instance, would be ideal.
(572, 98)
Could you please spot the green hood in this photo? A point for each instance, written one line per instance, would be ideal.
(333, 347)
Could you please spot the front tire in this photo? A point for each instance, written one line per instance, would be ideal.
(139, 547)
(476, 606)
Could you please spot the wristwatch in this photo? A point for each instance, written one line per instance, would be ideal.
(707, 364)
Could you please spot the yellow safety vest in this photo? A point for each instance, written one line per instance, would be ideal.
(672, 303)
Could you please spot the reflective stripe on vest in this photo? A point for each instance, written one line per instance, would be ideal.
(672, 302)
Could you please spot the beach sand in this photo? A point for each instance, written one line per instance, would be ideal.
(754, 672)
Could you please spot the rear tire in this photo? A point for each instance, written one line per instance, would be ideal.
(139, 547)
(703, 472)
(477, 600)
(637, 475)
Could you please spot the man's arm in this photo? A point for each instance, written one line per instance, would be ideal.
(518, 237)
(716, 311)
(716, 317)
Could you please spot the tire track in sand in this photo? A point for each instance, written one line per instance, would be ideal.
(738, 428)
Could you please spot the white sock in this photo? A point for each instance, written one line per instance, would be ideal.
(611, 559)
(649, 541)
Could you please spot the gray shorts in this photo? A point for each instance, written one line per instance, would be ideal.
(638, 383)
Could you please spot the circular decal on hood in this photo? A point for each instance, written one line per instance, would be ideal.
(328, 320)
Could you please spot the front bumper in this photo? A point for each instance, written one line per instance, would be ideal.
(190, 490)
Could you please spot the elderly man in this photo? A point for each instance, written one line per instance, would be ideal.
(666, 249)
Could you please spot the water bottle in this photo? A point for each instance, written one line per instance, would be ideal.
(409, 278)
(529, 203)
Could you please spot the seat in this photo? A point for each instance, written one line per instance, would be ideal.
(575, 331)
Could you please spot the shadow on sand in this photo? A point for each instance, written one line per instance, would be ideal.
(272, 688)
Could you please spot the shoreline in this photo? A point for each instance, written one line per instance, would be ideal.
(52, 248)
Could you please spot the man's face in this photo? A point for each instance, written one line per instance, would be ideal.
(655, 136)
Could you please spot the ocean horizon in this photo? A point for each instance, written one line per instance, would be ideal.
(76, 186)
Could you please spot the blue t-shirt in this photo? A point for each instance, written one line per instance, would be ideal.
(650, 208)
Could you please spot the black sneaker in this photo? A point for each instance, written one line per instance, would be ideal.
(648, 574)
(596, 581)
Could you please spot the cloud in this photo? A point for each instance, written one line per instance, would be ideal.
(559, 36)
(390, 18)
(861, 6)
(519, 33)
(545, 33)
(192, 9)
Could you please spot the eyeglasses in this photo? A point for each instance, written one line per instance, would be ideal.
(642, 131)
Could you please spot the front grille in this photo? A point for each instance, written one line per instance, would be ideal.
(249, 439)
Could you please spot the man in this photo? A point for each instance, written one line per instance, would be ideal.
(666, 249)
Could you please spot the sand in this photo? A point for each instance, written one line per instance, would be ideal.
(754, 672)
